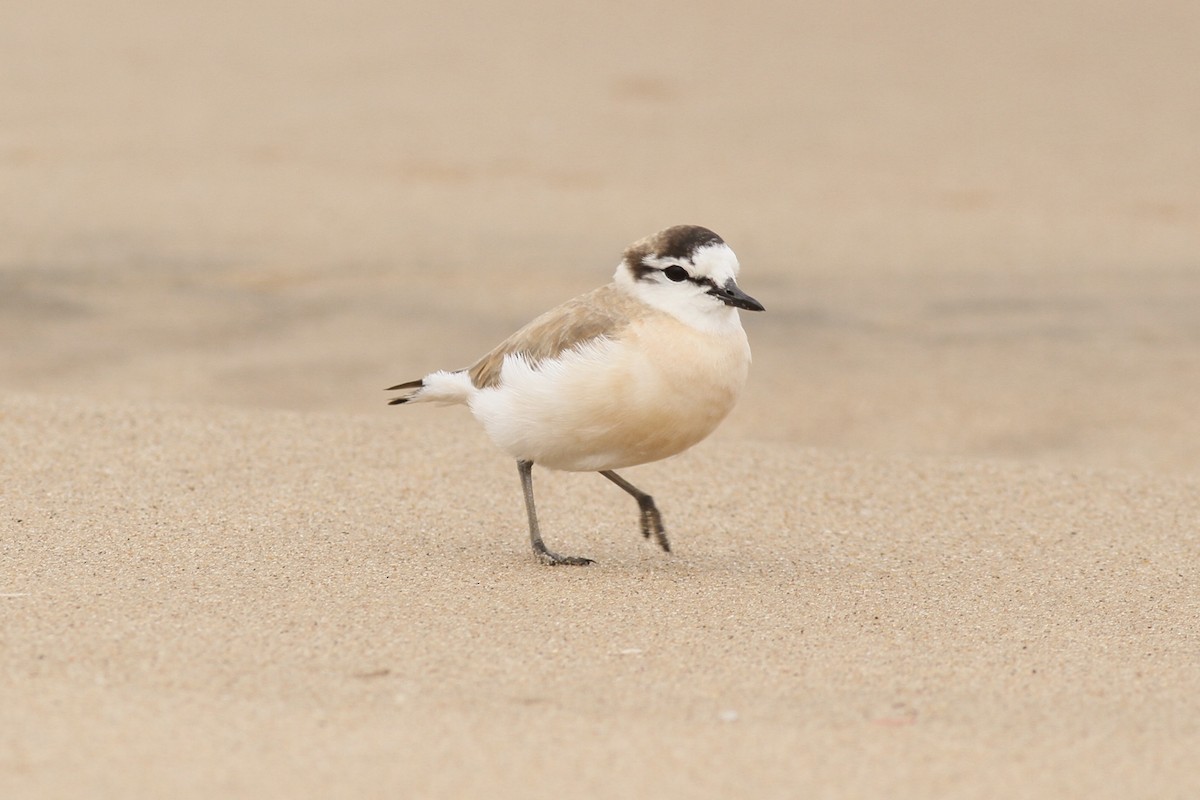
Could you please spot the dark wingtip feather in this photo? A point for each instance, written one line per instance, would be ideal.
(411, 387)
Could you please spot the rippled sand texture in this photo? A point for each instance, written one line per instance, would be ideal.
(947, 546)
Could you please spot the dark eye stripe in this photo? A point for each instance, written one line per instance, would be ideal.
(696, 279)
(642, 272)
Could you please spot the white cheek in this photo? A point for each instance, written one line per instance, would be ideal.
(689, 304)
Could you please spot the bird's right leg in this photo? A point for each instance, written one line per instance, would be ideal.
(535, 536)
(652, 525)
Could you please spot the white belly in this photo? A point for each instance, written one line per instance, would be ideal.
(658, 390)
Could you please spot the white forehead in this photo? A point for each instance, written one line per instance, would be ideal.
(714, 260)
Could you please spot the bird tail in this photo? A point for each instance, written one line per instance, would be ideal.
(437, 387)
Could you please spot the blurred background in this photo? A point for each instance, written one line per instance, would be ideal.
(975, 226)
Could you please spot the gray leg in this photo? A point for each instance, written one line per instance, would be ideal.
(535, 535)
(651, 520)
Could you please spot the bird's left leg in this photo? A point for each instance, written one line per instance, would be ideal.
(543, 554)
(651, 520)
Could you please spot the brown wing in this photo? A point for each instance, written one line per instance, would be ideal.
(601, 312)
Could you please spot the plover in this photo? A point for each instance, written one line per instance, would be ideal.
(636, 371)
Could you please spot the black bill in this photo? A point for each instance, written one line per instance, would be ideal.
(731, 295)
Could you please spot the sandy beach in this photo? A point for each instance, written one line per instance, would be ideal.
(948, 545)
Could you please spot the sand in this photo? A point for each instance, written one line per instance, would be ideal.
(948, 545)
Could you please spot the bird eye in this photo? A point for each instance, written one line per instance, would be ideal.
(676, 274)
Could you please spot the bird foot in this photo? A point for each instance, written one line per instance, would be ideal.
(652, 526)
(552, 559)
